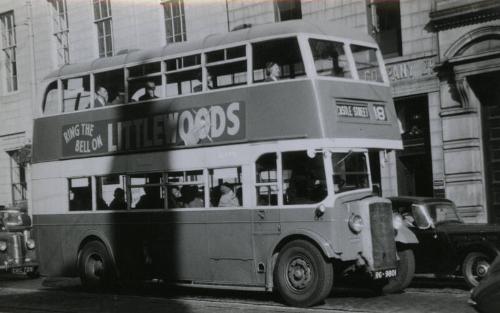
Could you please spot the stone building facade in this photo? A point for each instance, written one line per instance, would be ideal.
(440, 56)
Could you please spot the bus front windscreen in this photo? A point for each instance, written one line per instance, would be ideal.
(330, 58)
(350, 171)
(367, 63)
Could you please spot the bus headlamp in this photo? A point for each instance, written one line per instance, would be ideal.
(397, 221)
(356, 223)
(30, 244)
(3, 246)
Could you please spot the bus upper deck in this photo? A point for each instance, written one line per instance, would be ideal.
(333, 85)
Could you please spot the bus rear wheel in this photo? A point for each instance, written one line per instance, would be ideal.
(302, 275)
(95, 266)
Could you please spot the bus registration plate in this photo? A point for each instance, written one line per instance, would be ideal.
(22, 270)
(385, 274)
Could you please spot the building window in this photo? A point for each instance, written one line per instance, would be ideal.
(60, 24)
(287, 10)
(102, 15)
(9, 50)
(385, 25)
(175, 20)
(19, 160)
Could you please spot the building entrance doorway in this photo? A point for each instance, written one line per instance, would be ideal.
(487, 89)
(414, 163)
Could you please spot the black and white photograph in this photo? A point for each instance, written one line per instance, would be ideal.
(219, 156)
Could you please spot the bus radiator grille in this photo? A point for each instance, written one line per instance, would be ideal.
(384, 246)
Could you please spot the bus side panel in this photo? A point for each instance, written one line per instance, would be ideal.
(49, 252)
(230, 246)
(179, 245)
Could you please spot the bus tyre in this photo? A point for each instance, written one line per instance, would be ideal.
(95, 266)
(405, 273)
(302, 275)
(475, 267)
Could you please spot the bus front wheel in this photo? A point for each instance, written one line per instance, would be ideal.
(95, 266)
(302, 275)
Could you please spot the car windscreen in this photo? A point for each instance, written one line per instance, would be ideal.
(444, 212)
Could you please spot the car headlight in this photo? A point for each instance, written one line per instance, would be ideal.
(3, 246)
(356, 223)
(397, 221)
(30, 244)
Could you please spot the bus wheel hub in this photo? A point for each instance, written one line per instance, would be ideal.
(299, 273)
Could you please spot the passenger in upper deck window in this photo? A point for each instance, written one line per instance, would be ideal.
(149, 91)
(101, 97)
(273, 72)
(120, 98)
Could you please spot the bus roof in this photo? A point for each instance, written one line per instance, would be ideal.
(214, 40)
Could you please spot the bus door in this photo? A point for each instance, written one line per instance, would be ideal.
(266, 217)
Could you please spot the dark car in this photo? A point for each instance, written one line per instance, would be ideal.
(17, 247)
(446, 244)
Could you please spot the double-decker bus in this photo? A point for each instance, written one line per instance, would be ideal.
(187, 163)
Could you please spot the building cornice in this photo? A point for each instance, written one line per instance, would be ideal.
(462, 15)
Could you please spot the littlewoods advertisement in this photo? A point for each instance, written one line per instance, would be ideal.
(191, 127)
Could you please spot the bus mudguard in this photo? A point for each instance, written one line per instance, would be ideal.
(405, 236)
(322, 243)
(92, 235)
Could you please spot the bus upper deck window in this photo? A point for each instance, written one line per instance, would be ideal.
(283, 52)
(51, 99)
(144, 82)
(367, 64)
(330, 58)
(109, 88)
(226, 67)
(76, 94)
(184, 75)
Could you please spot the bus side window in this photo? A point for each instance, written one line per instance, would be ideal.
(111, 192)
(147, 191)
(144, 82)
(80, 194)
(184, 75)
(113, 83)
(304, 178)
(266, 182)
(186, 189)
(225, 187)
(227, 67)
(51, 99)
(76, 93)
(284, 52)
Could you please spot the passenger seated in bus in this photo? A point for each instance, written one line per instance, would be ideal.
(149, 91)
(118, 203)
(210, 83)
(101, 97)
(175, 198)
(273, 72)
(101, 204)
(227, 198)
(190, 197)
(151, 199)
(119, 99)
(80, 199)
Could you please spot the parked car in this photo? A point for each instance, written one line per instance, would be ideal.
(446, 245)
(17, 248)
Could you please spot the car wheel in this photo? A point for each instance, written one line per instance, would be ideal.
(302, 275)
(475, 267)
(405, 272)
(95, 266)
